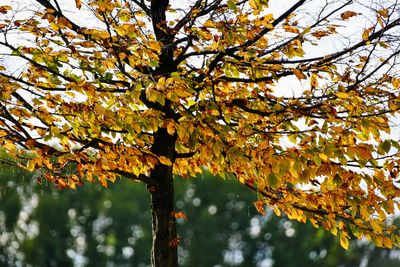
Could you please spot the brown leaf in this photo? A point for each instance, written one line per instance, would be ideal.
(348, 14)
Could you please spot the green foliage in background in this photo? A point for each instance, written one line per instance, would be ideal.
(44, 227)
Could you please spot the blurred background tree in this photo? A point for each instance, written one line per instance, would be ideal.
(41, 226)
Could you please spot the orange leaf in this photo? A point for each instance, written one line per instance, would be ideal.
(78, 4)
(180, 215)
(299, 74)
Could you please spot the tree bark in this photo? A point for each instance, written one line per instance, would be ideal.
(164, 249)
(165, 242)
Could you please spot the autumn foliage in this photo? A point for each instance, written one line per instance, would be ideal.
(298, 104)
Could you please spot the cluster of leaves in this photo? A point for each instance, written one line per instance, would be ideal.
(206, 74)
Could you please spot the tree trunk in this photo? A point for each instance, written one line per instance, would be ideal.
(164, 250)
(165, 245)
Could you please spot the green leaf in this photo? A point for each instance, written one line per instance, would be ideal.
(232, 5)
(16, 52)
(386, 145)
(154, 63)
(272, 180)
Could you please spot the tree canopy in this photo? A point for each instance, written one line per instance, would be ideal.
(295, 103)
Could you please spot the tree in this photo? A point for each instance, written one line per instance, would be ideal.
(149, 89)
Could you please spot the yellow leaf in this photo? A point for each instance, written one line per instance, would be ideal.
(382, 215)
(71, 184)
(392, 106)
(396, 83)
(334, 231)
(314, 80)
(365, 34)
(155, 46)
(268, 25)
(290, 29)
(54, 26)
(293, 172)
(181, 130)
(377, 226)
(30, 166)
(209, 24)
(164, 160)
(344, 241)
(323, 156)
(277, 211)
(132, 61)
(171, 127)
(9, 147)
(101, 34)
(383, 12)
(342, 95)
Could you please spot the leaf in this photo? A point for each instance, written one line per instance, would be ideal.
(4, 9)
(396, 83)
(314, 80)
(291, 29)
(180, 215)
(232, 5)
(323, 156)
(342, 95)
(299, 74)
(164, 160)
(277, 211)
(258, 5)
(344, 241)
(30, 143)
(30, 166)
(320, 34)
(393, 106)
(260, 207)
(386, 145)
(156, 46)
(103, 180)
(272, 180)
(78, 4)
(384, 13)
(387, 242)
(365, 34)
(348, 14)
(171, 127)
